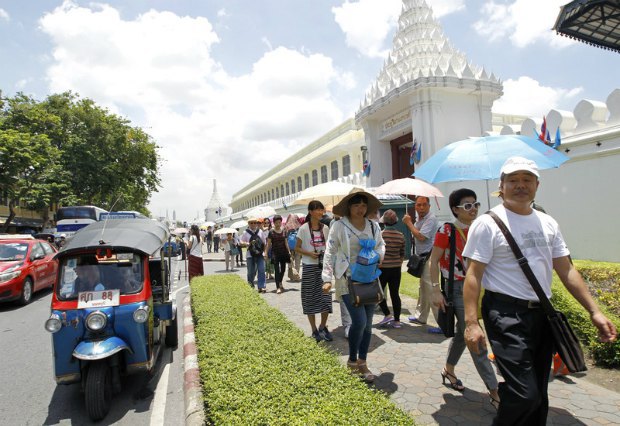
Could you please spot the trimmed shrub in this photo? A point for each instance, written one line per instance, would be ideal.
(603, 354)
(257, 367)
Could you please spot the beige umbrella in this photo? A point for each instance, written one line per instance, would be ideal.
(327, 193)
(239, 224)
(409, 186)
(260, 212)
(225, 231)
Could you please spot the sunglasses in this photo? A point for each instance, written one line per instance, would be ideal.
(468, 206)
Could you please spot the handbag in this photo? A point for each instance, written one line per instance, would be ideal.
(234, 250)
(566, 342)
(446, 319)
(365, 293)
(415, 265)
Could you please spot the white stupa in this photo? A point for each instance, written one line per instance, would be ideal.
(216, 207)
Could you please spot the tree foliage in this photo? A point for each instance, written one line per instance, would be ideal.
(67, 150)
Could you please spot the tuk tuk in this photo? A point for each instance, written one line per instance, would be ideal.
(111, 309)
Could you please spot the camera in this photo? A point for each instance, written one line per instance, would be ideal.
(320, 259)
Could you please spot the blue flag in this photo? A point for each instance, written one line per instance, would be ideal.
(558, 140)
(366, 168)
(414, 149)
(418, 154)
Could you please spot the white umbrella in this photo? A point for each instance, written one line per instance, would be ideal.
(327, 193)
(239, 224)
(179, 231)
(409, 186)
(207, 224)
(260, 212)
(225, 231)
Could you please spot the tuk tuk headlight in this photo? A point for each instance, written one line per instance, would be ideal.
(96, 321)
(141, 314)
(53, 323)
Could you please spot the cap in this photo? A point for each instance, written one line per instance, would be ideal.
(389, 217)
(254, 219)
(516, 164)
(63, 236)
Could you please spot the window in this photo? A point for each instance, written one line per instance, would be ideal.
(306, 180)
(282, 190)
(273, 196)
(293, 186)
(315, 178)
(324, 174)
(334, 170)
(346, 165)
(287, 189)
(299, 183)
(277, 193)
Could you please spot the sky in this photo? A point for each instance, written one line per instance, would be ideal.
(230, 88)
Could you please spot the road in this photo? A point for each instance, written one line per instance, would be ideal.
(29, 395)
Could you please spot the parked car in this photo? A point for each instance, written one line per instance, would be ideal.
(27, 265)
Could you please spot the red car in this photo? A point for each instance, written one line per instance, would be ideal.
(26, 265)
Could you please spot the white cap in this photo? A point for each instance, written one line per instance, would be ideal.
(516, 164)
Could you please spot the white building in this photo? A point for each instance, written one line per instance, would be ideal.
(428, 92)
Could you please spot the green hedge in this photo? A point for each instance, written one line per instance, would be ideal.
(603, 354)
(257, 367)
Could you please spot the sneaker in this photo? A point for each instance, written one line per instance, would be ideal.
(325, 334)
(317, 336)
(385, 321)
(434, 330)
(347, 328)
(416, 320)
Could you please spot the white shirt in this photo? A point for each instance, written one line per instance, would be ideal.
(537, 235)
(196, 249)
(245, 238)
(311, 242)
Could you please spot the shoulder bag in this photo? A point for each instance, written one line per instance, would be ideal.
(445, 319)
(415, 265)
(365, 293)
(566, 342)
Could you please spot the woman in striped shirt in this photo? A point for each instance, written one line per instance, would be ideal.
(391, 267)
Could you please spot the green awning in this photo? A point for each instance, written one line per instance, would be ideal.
(595, 22)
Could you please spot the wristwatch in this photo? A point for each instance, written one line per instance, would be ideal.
(435, 285)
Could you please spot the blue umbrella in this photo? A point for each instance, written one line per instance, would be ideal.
(482, 158)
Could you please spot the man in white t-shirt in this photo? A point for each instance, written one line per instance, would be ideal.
(516, 325)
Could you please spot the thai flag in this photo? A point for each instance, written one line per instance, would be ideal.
(418, 154)
(414, 149)
(543, 130)
(558, 140)
(366, 168)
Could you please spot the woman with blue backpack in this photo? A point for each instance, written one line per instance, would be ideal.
(344, 249)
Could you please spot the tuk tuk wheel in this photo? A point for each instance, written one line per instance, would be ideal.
(26, 296)
(98, 390)
(172, 333)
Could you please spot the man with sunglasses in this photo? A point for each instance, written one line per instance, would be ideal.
(516, 325)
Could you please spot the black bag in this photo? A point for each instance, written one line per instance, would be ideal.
(256, 246)
(365, 293)
(566, 343)
(415, 265)
(446, 320)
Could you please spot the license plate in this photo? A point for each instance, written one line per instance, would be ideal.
(98, 299)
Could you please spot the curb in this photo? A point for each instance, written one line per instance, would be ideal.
(194, 411)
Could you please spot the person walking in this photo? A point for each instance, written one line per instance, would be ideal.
(194, 247)
(516, 325)
(209, 238)
(216, 241)
(315, 296)
(269, 267)
(227, 243)
(255, 239)
(239, 255)
(277, 245)
(464, 206)
(391, 268)
(343, 245)
(423, 233)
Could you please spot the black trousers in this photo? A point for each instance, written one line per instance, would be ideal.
(390, 277)
(280, 267)
(522, 344)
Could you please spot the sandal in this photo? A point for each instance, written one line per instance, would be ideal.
(365, 373)
(456, 384)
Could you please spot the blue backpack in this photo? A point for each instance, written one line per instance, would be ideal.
(292, 239)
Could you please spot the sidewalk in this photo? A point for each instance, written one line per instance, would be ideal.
(408, 362)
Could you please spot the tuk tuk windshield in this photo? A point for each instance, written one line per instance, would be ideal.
(118, 271)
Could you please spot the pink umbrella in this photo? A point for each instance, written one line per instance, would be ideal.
(294, 221)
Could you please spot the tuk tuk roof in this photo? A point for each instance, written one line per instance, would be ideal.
(141, 235)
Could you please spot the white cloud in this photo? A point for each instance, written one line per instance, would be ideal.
(4, 15)
(208, 123)
(523, 22)
(446, 7)
(367, 23)
(222, 13)
(526, 96)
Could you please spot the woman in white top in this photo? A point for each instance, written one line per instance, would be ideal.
(315, 297)
(194, 248)
(343, 246)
